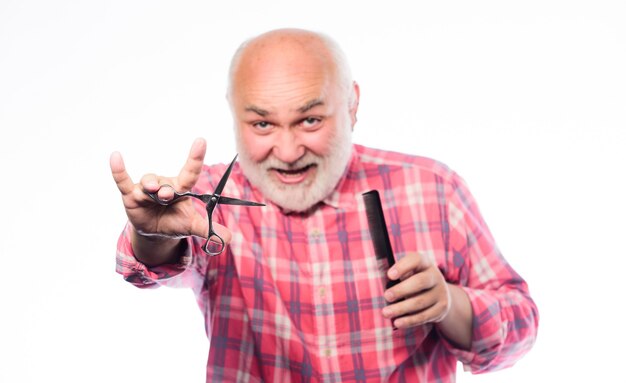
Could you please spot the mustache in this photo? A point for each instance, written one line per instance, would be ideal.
(307, 159)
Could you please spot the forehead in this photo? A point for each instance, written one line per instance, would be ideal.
(291, 90)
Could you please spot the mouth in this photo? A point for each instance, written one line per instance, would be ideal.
(294, 176)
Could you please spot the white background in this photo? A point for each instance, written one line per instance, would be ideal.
(526, 100)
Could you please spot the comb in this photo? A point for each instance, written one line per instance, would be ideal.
(378, 230)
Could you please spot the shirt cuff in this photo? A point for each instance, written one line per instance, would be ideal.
(488, 333)
(142, 275)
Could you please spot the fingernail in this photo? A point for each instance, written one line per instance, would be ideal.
(387, 312)
(389, 296)
(393, 273)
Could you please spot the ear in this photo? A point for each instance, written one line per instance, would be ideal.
(354, 102)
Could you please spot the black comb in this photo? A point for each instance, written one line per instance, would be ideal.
(378, 230)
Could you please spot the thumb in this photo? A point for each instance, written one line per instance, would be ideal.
(200, 228)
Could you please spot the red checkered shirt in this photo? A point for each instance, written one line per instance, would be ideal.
(298, 298)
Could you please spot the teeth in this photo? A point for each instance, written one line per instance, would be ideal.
(295, 171)
(291, 171)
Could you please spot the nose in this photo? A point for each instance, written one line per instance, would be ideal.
(288, 147)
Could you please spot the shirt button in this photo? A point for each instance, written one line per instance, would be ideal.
(315, 233)
(328, 352)
(322, 292)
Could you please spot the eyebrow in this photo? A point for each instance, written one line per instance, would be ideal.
(310, 105)
(303, 109)
(257, 110)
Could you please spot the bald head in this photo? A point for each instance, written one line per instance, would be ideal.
(292, 51)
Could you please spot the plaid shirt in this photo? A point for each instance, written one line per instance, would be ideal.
(298, 298)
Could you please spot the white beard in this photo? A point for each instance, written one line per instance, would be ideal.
(302, 196)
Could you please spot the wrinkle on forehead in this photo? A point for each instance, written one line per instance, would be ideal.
(293, 91)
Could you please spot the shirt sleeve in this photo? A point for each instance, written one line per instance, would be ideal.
(143, 276)
(505, 318)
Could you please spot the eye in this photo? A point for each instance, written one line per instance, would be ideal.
(311, 122)
(261, 124)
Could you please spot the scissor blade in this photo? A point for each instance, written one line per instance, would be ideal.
(222, 183)
(235, 201)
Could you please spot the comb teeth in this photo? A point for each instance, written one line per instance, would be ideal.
(378, 230)
(377, 225)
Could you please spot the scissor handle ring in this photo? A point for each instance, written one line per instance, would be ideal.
(155, 196)
(208, 251)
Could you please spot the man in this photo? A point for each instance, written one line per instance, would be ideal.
(298, 294)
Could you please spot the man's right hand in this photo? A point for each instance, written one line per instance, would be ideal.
(158, 228)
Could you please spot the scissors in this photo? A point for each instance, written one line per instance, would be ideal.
(214, 244)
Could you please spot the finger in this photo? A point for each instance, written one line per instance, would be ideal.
(411, 305)
(162, 186)
(432, 314)
(223, 232)
(408, 265)
(415, 284)
(118, 170)
(200, 228)
(150, 182)
(193, 166)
